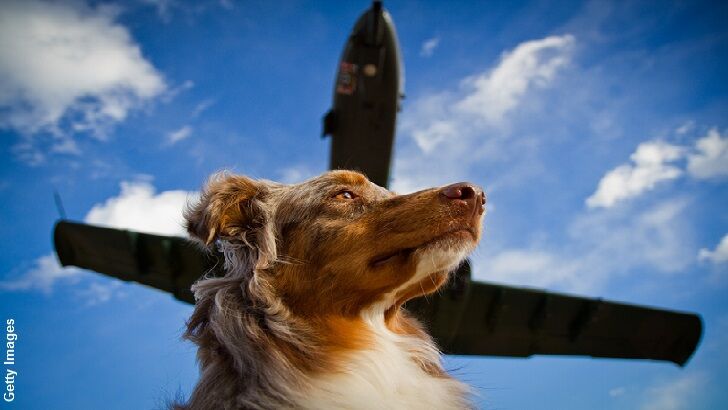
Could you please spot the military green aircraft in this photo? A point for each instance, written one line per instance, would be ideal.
(468, 317)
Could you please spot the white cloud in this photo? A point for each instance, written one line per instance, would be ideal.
(531, 64)
(173, 92)
(66, 67)
(429, 46)
(654, 162)
(45, 272)
(178, 135)
(100, 292)
(443, 143)
(443, 135)
(484, 100)
(139, 208)
(430, 121)
(711, 156)
(676, 394)
(618, 242)
(530, 267)
(202, 106)
(600, 246)
(650, 165)
(718, 255)
(685, 127)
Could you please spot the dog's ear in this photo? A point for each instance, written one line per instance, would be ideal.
(230, 207)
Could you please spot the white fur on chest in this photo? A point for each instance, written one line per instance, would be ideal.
(385, 377)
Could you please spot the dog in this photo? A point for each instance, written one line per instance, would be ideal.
(309, 312)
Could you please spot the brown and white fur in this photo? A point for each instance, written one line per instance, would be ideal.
(309, 312)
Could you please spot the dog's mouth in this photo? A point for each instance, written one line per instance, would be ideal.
(402, 254)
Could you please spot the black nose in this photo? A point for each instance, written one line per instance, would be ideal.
(470, 193)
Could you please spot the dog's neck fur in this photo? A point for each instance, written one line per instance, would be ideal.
(254, 353)
(397, 372)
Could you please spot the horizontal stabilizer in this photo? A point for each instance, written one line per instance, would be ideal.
(496, 320)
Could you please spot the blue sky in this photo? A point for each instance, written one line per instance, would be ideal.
(599, 130)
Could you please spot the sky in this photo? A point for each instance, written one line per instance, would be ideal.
(598, 129)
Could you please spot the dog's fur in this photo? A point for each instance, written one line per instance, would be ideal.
(308, 313)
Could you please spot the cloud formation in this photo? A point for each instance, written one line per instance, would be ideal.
(531, 64)
(66, 67)
(45, 272)
(711, 156)
(178, 135)
(717, 255)
(449, 133)
(137, 207)
(444, 132)
(600, 246)
(655, 162)
(677, 394)
(651, 164)
(429, 46)
(485, 99)
(531, 267)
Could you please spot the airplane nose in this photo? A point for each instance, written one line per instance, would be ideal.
(472, 194)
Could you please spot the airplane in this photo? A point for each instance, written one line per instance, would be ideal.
(466, 318)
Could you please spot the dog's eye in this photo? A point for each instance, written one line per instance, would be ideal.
(345, 195)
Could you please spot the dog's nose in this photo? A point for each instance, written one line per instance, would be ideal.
(472, 194)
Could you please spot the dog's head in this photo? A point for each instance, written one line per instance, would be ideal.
(338, 244)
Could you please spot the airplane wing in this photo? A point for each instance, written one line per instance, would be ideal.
(477, 318)
(168, 263)
(467, 318)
